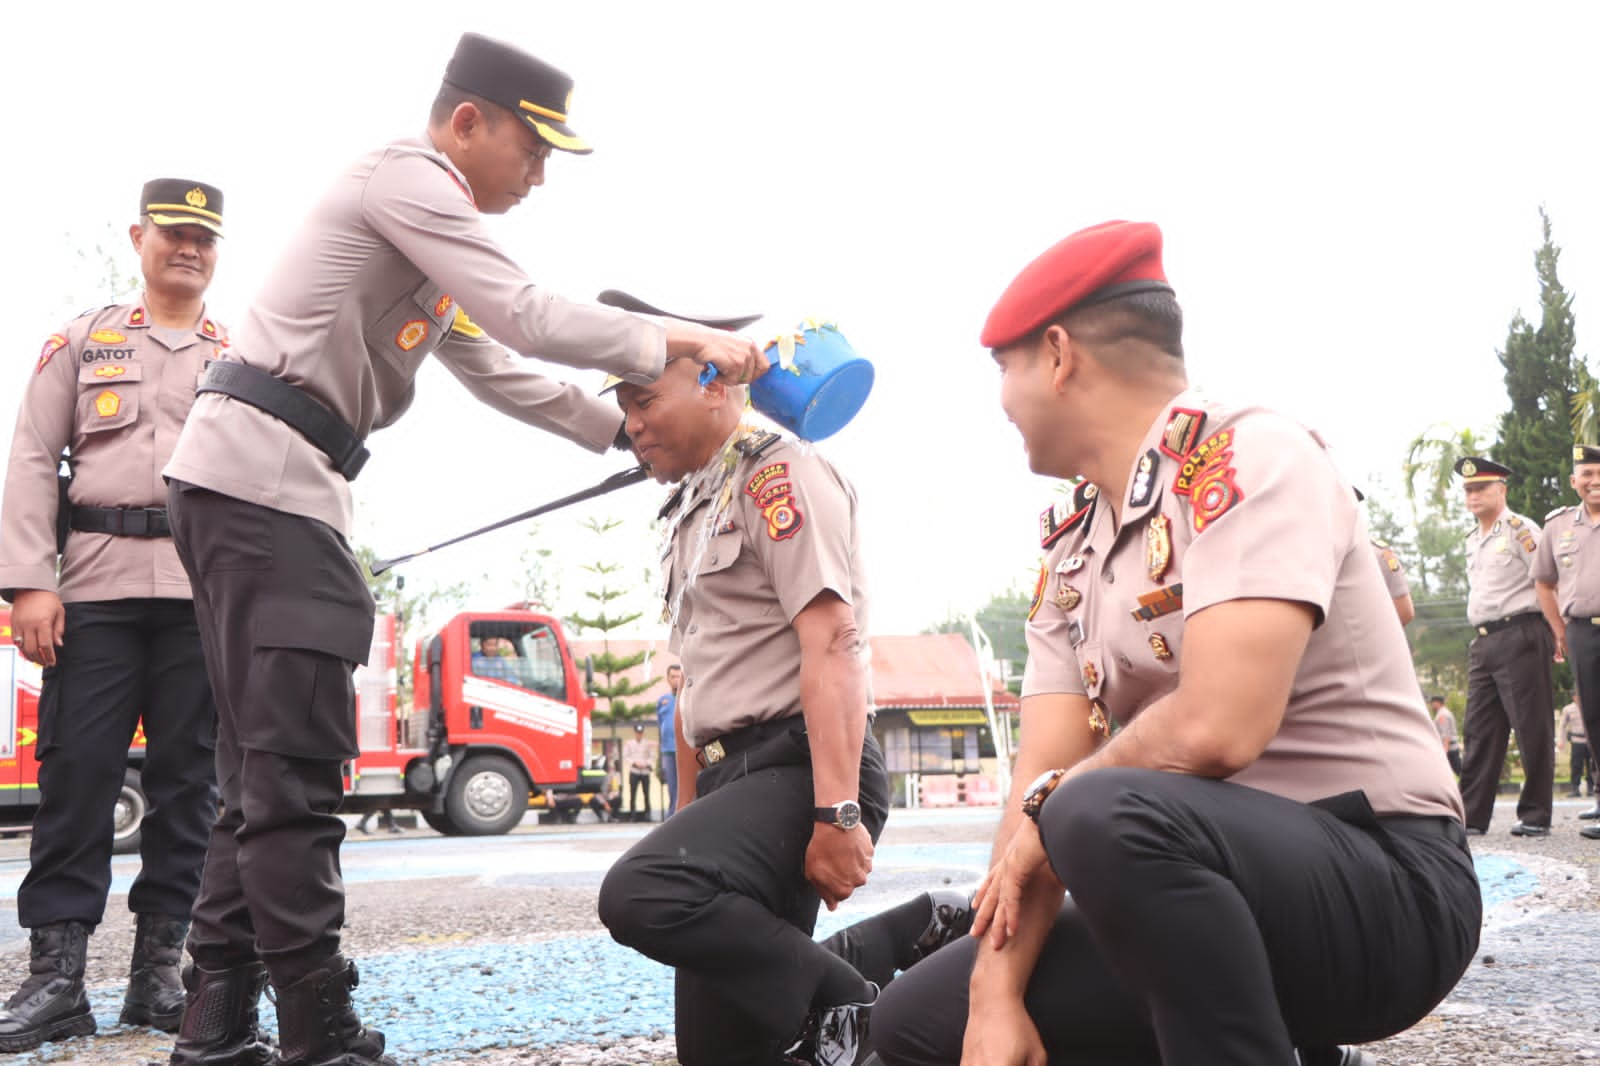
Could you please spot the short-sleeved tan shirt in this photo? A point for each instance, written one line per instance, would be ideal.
(786, 533)
(1227, 504)
(1500, 569)
(116, 390)
(394, 265)
(1569, 558)
(1394, 572)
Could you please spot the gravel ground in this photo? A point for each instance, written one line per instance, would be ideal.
(518, 969)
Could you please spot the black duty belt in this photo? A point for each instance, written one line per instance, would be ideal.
(1584, 621)
(1485, 628)
(740, 739)
(332, 435)
(122, 521)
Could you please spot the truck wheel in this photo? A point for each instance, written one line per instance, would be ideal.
(487, 796)
(439, 823)
(127, 815)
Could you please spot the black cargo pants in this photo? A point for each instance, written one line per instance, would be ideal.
(285, 615)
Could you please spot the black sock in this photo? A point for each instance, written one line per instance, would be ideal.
(841, 984)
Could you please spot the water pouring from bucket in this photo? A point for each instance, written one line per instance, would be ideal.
(816, 385)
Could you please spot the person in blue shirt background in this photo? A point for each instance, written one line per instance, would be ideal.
(666, 719)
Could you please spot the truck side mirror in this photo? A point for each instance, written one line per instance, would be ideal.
(588, 675)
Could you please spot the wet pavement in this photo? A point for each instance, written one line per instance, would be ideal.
(487, 950)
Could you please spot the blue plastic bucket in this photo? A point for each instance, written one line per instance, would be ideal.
(823, 389)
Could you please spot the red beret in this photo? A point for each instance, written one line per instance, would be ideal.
(1099, 263)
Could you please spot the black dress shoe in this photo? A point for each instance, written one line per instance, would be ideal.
(1474, 831)
(1335, 1056)
(1523, 830)
(833, 1036)
(1590, 832)
(1586, 815)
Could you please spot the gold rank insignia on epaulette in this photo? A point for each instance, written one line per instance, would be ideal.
(1557, 513)
(1184, 427)
(1514, 522)
(752, 446)
(1063, 515)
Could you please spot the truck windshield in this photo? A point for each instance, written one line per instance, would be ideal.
(524, 654)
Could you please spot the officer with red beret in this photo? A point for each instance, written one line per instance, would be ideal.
(1225, 761)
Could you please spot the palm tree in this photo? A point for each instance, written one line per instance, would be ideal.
(1431, 460)
(1585, 405)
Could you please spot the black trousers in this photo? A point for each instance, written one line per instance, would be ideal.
(285, 615)
(1508, 690)
(719, 892)
(1210, 924)
(1583, 652)
(638, 784)
(121, 661)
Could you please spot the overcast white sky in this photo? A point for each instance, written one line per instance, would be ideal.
(1349, 195)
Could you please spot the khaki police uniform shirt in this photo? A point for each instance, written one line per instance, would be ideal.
(785, 532)
(1569, 558)
(1500, 569)
(1227, 504)
(1394, 574)
(1572, 727)
(392, 266)
(116, 390)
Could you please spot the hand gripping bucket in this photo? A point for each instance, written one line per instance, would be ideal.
(817, 383)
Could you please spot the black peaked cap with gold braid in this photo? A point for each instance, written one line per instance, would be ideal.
(176, 202)
(522, 84)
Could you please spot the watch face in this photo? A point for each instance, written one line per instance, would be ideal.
(849, 813)
(1039, 791)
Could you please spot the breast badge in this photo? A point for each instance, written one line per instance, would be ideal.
(107, 404)
(411, 334)
(1159, 645)
(1144, 479)
(1098, 722)
(1162, 601)
(107, 336)
(110, 371)
(1067, 597)
(1091, 675)
(1158, 546)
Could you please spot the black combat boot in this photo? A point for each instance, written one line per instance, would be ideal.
(220, 1024)
(51, 1004)
(834, 1036)
(155, 992)
(317, 1026)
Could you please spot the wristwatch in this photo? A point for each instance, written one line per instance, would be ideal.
(1039, 791)
(846, 815)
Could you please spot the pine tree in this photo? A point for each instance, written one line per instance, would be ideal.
(615, 688)
(1542, 382)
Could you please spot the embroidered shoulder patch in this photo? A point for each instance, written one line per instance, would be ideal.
(1038, 593)
(1064, 515)
(1207, 478)
(764, 477)
(107, 336)
(51, 347)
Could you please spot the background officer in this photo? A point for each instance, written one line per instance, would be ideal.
(115, 631)
(372, 283)
(1508, 663)
(1232, 770)
(1566, 569)
(1394, 579)
(793, 792)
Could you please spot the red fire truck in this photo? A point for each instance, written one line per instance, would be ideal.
(499, 715)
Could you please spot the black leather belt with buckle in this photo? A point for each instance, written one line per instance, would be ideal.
(122, 521)
(729, 743)
(1498, 624)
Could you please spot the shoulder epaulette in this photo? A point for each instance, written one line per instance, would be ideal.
(1064, 515)
(1183, 432)
(95, 310)
(672, 501)
(752, 446)
(1514, 522)
(1558, 511)
(1381, 545)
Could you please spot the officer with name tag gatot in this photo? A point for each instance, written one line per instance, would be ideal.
(391, 266)
(1508, 662)
(113, 623)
